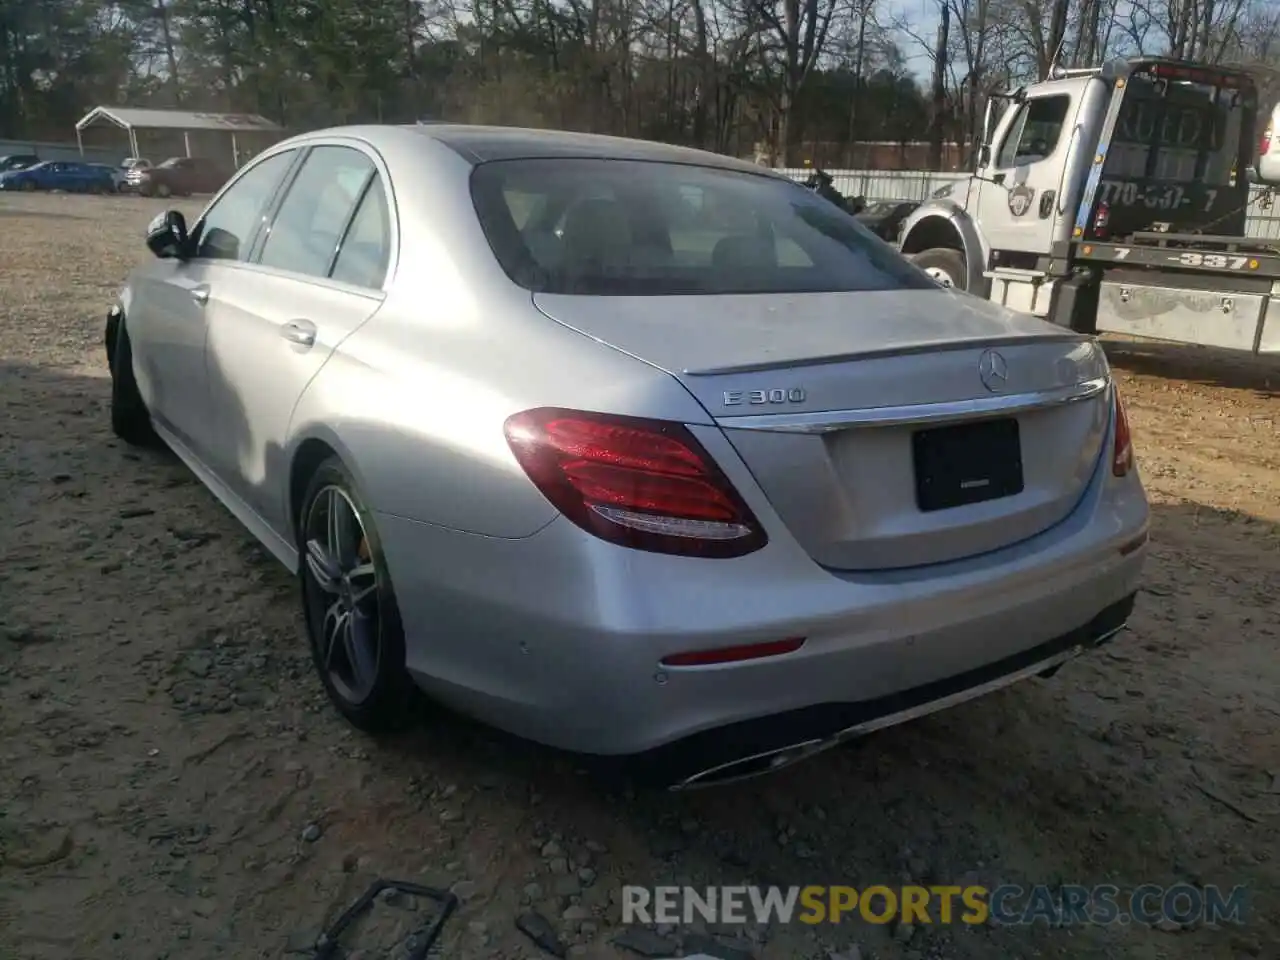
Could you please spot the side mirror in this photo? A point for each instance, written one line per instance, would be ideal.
(167, 236)
(988, 122)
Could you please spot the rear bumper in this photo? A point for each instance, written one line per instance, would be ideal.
(558, 637)
(765, 744)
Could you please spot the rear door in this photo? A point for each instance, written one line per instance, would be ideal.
(316, 275)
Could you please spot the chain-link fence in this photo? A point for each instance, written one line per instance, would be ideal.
(1263, 222)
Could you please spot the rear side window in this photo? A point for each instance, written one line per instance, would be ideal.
(305, 233)
(642, 228)
(366, 249)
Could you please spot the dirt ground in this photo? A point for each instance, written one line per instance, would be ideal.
(172, 784)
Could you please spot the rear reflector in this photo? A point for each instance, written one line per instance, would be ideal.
(646, 484)
(746, 651)
(1129, 546)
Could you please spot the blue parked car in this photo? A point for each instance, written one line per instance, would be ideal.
(59, 175)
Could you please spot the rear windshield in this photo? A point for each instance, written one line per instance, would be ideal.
(635, 228)
(1178, 132)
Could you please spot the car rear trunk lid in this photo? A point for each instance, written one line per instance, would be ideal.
(889, 429)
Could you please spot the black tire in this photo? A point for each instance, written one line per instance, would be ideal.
(28, 185)
(946, 261)
(383, 701)
(163, 191)
(130, 420)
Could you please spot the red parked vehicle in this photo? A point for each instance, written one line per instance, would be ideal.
(180, 176)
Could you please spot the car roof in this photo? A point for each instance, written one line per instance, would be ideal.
(481, 144)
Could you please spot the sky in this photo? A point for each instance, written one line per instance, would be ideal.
(922, 15)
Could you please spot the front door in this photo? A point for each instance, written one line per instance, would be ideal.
(169, 323)
(1020, 208)
(166, 326)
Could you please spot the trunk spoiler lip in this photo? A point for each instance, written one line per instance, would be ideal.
(978, 343)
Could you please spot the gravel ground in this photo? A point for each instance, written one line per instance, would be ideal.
(172, 784)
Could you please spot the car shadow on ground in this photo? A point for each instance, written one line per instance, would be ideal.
(1103, 773)
(1211, 367)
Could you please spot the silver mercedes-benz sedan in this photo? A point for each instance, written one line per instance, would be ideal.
(629, 449)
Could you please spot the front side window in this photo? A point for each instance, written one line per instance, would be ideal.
(228, 227)
(1036, 131)
(643, 228)
(305, 233)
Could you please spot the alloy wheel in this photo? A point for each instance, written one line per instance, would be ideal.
(342, 594)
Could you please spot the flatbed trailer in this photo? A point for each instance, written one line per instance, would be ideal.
(1216, 291)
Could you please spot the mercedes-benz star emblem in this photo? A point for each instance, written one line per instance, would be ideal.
(993, 371)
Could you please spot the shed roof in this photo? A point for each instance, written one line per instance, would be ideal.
(137, 118)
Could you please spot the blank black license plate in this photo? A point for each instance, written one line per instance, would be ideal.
(967, 463)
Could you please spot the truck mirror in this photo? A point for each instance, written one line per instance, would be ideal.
(988, 117)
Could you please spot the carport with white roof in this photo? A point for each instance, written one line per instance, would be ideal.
(134, 119)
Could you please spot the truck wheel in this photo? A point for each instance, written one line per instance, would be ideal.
(945, 266)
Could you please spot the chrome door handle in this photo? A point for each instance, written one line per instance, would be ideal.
(301, 332)
(200, 294)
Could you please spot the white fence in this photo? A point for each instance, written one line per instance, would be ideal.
(1263, 222)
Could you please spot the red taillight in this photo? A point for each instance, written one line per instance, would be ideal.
(1100, 220)
(1122, 449)
(647, 484)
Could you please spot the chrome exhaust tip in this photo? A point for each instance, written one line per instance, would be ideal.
(755, 765)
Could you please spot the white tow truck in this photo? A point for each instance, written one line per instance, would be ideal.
(1114, 199)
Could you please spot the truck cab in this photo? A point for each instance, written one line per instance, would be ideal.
(1022, 198)
(1096, 190)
